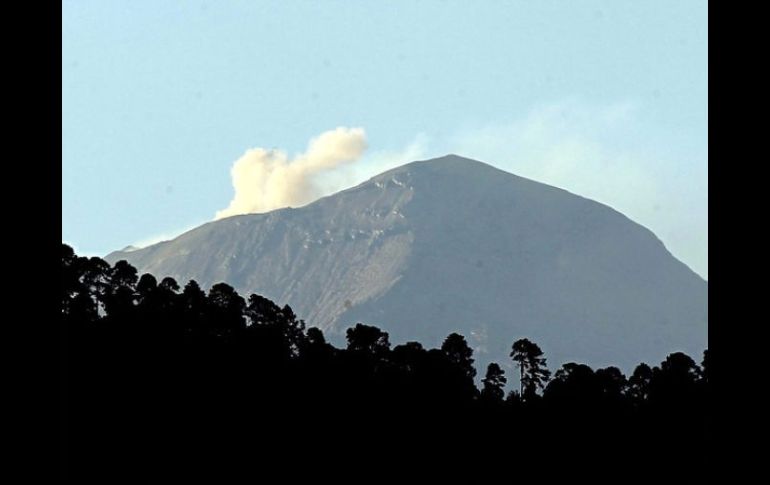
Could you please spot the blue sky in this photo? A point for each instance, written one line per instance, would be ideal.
(607, 99)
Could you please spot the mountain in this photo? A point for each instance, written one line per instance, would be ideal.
(453, 244)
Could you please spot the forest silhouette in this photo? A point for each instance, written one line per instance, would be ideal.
(164, 380)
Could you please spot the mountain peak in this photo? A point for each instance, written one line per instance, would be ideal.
(450, 158)
(453, 169)
(449, 162)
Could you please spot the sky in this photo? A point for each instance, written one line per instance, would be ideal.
(175, 113)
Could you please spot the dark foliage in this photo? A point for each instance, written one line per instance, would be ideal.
(163, 382)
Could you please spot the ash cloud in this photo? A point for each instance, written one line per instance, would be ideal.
(266, 179)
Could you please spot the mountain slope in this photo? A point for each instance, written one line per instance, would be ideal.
(453, 244)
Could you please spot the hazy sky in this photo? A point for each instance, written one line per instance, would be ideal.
(607, 99)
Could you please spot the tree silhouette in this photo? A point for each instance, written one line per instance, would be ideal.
(158, 380)
(493, 382)
(315, 347)
(124, 275)
(680, 366)
(459, 353)
(532, 366)
(367, 340)
(675, 380)
(227, 308)
(169, 284)
(612, 382)
(639, 384)
(120, 296)
(575, 386)
(193, 310)
(408, 356)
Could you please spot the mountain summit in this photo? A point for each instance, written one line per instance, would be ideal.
(456, 245)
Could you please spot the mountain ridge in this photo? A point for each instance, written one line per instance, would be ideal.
(455, 244)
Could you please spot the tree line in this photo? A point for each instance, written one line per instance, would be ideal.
(163, 379)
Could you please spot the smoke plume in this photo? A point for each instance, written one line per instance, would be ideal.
(268, 179)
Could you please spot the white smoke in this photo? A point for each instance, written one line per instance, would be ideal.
(267, 179)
